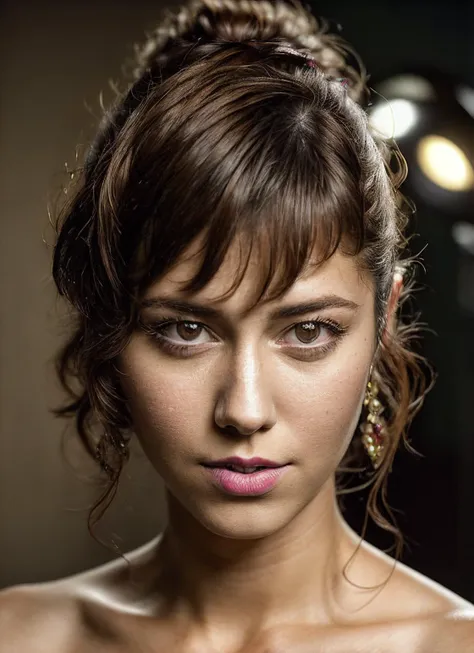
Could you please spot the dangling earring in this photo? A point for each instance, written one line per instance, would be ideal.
(111, 445)
(374, 426)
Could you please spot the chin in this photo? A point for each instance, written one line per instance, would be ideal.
(238, 518)
(244, 522)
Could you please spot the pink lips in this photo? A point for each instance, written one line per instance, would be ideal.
(246, 484)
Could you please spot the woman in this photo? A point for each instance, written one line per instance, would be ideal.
(233, 254)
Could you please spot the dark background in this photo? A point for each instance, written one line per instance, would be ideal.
(434, 493)
(56, 59)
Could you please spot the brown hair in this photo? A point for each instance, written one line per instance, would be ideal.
(223, 108)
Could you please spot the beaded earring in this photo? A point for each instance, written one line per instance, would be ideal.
(373, 428)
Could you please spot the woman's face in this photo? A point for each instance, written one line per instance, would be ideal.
(284, 382)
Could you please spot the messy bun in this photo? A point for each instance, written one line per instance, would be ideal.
(224, 106)
(286, 22)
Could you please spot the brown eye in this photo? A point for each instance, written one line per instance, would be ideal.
(188, 330)
(306, 332)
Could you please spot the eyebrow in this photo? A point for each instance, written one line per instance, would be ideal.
(194, 308)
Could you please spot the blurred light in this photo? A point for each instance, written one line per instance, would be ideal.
(463, 235)
(445, 164)
(394, 119)
(410, 87)
(465, 97)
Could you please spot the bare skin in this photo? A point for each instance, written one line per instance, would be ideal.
(111, 609)
(278, 572)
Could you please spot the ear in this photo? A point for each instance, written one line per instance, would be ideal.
(392, 304)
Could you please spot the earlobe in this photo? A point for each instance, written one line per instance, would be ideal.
(392, 304)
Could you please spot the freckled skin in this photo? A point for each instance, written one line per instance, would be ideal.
(281, 407)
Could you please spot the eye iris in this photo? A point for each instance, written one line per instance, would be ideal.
(307, 332)
(188, 330)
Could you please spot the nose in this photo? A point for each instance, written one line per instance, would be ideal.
(244, 404)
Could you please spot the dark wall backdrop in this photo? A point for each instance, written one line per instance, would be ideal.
(56, 59)
(388, 34)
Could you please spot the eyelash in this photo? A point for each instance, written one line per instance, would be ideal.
(317, 351)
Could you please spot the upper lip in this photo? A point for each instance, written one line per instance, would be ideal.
(244, 462)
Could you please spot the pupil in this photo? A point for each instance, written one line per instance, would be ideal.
(188, 330)
(307, 332)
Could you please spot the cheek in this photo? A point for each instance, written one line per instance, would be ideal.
(322, 408)
(168, 405)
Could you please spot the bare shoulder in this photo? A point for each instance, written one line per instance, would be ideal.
(83, 612)
(37, 619)
(427, 597)
(404, 592)
(454, 632)
(423, 616)
(416, 614)
(446, 622)
(442, 632)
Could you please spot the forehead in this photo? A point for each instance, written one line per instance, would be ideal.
(340, 275)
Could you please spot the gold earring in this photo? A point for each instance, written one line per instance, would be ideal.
(374, 427)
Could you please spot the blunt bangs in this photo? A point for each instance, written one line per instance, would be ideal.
(234, 155)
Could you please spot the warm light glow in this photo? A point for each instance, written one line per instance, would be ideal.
(394, 119)
(445, 164)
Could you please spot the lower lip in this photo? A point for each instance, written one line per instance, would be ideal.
(253, 484)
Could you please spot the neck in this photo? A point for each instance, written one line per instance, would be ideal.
(291, 576)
